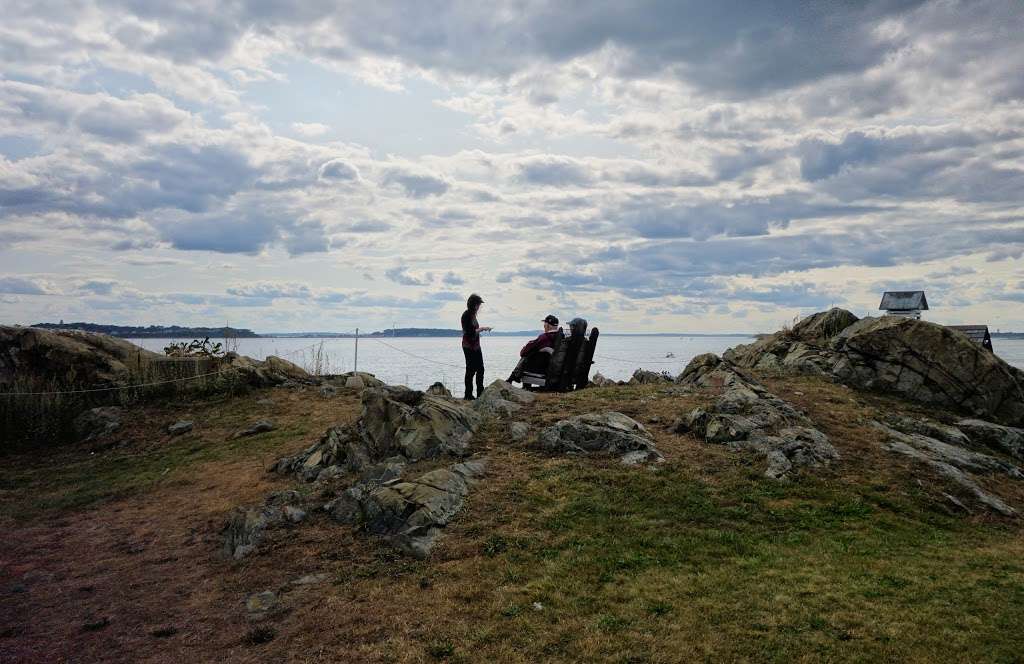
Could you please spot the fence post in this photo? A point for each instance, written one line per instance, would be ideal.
(355, 363)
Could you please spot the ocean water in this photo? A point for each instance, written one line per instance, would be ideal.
(420, 361)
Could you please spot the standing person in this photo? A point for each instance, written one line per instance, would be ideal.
(471, 346)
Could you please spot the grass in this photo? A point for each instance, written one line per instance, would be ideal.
(82, 478)
(645, 565)
(584, 560)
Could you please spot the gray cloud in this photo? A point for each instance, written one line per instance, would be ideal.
(339, 170)
(270, 290)
(13, 285)
(416, 184)
(400, 275)
(553, 171)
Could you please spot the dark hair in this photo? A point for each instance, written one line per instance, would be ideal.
(474, 301)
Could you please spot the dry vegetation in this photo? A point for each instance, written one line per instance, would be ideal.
(113, 554)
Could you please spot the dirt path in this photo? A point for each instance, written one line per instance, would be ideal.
(138, 578)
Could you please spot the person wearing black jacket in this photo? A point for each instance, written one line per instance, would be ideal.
(471, 346)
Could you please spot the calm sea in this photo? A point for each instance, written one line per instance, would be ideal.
(418, 362)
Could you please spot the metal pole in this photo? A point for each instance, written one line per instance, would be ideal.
(355, 363)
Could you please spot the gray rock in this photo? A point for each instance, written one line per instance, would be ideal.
(293, 514)
(311, 579)
(95, 360)
(960, 457)
(598, 380)
(952, 462)
(1005, 439)
(328, 391)
(795, 447)
(918, 360)
(268, 372)
(282, 498)
(260, 605)
(257, 428)
(518, 431)
(501, 399)
(265, 402)
(180, 427)
(612, 434)
(926, 427)
(747, 416)
(410, 514)
(644, 377)
(438, 389)
(362, 379)
(97, 423)
(824, 325)
(385, 471)
(245, 529)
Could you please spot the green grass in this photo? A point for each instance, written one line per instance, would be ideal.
(81, 481)
(641, 566)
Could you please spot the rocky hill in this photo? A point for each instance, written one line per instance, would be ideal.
(845, 489)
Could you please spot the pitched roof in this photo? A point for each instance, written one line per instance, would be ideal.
(975, 333)
(903, 300)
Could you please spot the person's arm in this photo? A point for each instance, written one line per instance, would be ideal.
(532, 345)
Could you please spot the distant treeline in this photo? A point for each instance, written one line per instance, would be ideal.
(159, 331)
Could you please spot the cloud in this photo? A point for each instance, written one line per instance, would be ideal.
(14, 285)
(339, 170)
(416, 184)
(98, 286)
(246, 232)
(122, 120)
(400, 275)
(370, 226)
(452, 279)
(553, 171)
(267, 290)
(310, 129)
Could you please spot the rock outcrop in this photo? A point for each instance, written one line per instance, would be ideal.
(357, 380)
(917, 360)
(68, 357)
(951, 461)
(930, 364)
(645, 377)
(268, 373)
(246, 526)
(501, 399)
(606, 434)
(438, 389)
(395, 422)
(748, 416)
(1009, 440)
(409, 514)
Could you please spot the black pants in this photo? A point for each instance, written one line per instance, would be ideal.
(474, 367)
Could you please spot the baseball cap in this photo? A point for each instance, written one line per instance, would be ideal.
(551, 320)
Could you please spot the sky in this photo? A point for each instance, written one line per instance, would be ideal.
(650, 166)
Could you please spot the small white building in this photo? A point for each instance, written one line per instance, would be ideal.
(908, 304)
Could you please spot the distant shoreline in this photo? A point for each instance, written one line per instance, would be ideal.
(184, 332)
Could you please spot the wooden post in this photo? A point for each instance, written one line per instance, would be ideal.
(355, 363)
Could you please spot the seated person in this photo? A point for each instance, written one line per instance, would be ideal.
(545, 341)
